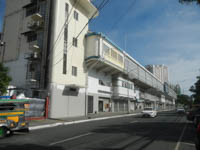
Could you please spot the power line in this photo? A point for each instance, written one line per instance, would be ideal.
(101, 6)
(65, 23)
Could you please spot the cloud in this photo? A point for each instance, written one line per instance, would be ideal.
(158, 32)
(171, 39)
(181, 71)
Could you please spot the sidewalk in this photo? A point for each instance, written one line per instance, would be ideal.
(47, 123)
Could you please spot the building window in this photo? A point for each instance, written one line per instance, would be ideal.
(76, 15)
(66, 10)
(75, 42)
(74, 71)
(72, 89)
(31, 10)
(66, 33)
(101, 82)
(123, 84)
(120, 59)
(31, 37)
(65, 64)
(113, 54)
(106, 49)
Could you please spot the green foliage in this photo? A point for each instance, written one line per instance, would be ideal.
(4, 79)
(195, 89)
(184, 99)
(189, 1)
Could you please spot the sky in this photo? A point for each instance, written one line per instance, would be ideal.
(2, 10)
(156, 32)
(153, 32)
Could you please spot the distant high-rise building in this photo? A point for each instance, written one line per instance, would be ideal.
(178, 89)
(160, 71)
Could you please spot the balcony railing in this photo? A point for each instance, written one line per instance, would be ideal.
(34, 46)
(37, 17)
(35, 25)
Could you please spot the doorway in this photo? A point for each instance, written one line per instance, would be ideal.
(100, 106)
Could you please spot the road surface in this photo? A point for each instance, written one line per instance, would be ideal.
(168, 131)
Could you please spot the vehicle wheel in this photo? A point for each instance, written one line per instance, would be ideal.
(3, 132)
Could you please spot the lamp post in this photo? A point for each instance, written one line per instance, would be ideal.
(3, 44)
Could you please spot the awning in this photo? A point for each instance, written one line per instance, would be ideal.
(74, 86)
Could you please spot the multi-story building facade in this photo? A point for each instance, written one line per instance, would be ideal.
(45, 50)
(51, 53)
(160, 71)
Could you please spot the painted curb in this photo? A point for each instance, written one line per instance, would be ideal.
(78, 121)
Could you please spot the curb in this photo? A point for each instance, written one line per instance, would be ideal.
(78, 121)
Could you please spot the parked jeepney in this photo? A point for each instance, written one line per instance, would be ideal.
(12, 116)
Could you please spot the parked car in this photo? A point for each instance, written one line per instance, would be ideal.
(195, 110)
(149, 112)
(180, 110)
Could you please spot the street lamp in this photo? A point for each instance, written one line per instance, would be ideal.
(3, 44)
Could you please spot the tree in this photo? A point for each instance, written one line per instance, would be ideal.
(189, 1)
(195, 89)
(4, 79)
(184, 99)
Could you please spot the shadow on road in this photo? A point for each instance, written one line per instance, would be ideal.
(174, 113)
(147, 133)
(28, 147)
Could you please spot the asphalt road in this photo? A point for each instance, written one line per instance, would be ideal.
(168, 131)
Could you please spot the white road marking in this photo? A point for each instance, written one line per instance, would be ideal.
(180, 138)
(191, 144)
(69, 139)
(133, 121)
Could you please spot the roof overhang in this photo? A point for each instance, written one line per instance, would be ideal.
(89, 7)
(74, 86)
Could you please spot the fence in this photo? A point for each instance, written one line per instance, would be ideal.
(38, 109)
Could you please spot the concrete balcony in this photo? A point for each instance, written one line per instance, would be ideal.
(89, 7)
(123, 93)
(37, 17)
(107, 59)
(104, 89)
(141, 76)
(35, 26)
(34, 46)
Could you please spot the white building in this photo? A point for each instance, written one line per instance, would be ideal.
(160, 71)
(45, 50)
(51, 53)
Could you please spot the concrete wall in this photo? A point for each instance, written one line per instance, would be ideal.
(65, 103)
(92, 46)
(75, 55)
(93, 82)
(119, 90)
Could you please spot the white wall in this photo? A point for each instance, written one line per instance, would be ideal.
(92, 48)
(118, 90)
(93, 82)
(75, 55)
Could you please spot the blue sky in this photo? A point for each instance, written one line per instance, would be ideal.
(153, 32)
(2, 10)
(156, 32)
